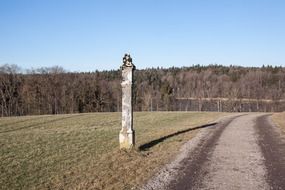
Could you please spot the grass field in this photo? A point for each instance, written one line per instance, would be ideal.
(279, 120)
(80, 151)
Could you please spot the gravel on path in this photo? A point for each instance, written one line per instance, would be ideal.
(237, 161)
(240, 152)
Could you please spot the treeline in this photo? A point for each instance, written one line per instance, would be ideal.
(55, 91)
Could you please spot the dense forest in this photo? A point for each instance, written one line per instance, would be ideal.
(197, 88)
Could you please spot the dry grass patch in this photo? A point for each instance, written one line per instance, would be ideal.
(80, 151)
(279, 120)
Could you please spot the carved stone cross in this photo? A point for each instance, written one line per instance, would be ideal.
(127, 133)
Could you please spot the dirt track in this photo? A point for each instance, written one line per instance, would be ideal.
(242, 152)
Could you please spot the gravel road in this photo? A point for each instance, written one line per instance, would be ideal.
(245, 151)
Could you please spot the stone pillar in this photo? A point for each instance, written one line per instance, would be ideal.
(127, 134)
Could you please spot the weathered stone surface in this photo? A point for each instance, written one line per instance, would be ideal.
(127, 134)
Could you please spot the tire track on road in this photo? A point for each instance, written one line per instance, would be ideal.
(272, 144)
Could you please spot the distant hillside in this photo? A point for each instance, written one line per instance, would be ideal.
(197, 88)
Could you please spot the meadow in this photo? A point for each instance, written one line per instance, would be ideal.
(81, 151)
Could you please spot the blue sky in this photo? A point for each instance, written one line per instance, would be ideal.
(86, 35)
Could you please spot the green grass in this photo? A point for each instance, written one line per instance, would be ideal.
(80, 151)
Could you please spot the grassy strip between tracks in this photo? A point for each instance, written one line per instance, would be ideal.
(80, 151)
